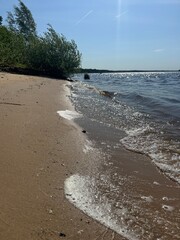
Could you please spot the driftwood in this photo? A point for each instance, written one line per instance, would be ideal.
(9, 103)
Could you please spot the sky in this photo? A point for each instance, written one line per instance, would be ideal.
(113, 34)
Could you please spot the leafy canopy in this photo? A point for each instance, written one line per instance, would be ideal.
(22, 21)
(20, 45)
(53, 53)
(1, 19)
(12, 48)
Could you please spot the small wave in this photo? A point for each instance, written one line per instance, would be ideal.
(88, 147)
(140, 98)
(165, 155)
(144, 105)
(107, 93)
(171, 100)
(69, 115)
(82, 192)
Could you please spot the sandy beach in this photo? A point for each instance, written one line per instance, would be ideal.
(39, 150)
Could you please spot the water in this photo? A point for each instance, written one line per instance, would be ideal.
(146, 106)
(122, 189)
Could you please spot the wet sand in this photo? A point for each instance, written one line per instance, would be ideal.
(144, 202)
(39, 150)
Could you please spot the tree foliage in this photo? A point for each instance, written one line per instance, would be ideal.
(1, 19)
(12, 48)
(54, 53)
(22, 21)
(51, 53)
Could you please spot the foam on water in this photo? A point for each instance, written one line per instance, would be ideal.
(88, 147)
(132, 215)
(165, 157)
(111, 198)
(144, 105)
(70, 115)
(82, 192)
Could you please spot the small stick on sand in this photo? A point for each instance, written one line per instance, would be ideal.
(9, 103)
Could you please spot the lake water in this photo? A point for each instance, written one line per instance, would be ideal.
(133, 126)
(144, 105)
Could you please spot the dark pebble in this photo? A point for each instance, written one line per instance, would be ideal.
(84, 131)
(62, 234)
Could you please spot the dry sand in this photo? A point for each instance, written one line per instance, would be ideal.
(39, 150)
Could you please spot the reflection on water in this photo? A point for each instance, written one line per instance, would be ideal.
(122, 189)
(145, 105)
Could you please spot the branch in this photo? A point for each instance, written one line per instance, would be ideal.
(9, 103)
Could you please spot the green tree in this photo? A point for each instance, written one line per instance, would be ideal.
(12, 48)
(51, 54)
(54, 54)
(63, 54)
(22, 21)
(1, 19)
(11, 22)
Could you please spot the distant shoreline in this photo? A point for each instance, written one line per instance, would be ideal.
(33, 72)
(89, 70)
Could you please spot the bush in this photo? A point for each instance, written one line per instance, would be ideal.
(12, 48)
(53, 54)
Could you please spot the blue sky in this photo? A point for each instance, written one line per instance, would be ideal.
(114, 34)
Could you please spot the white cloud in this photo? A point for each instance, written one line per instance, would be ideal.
(159, 50)
(121, 14)
(83, 17)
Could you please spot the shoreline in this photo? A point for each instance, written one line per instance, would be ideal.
(42, 152)
(39, 150)
(142, 198)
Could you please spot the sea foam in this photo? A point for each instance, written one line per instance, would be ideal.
(70, 115)
(81, 191)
